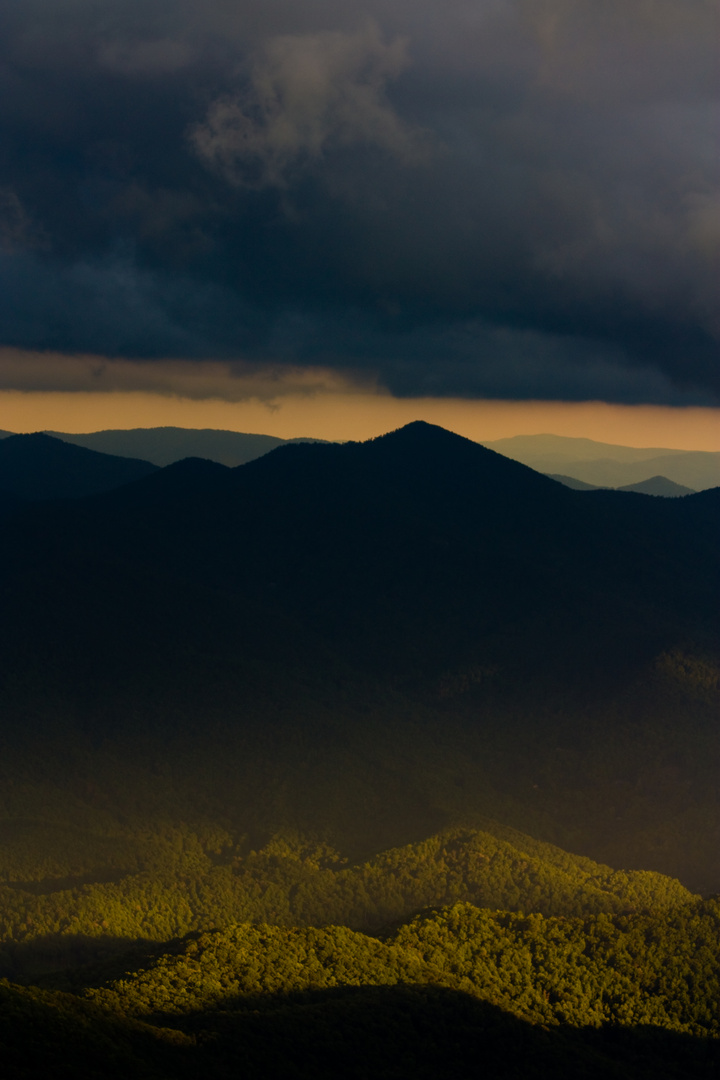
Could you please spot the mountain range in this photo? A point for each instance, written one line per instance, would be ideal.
(653, 471)
(280, 739)
(653, 485)
(418, 576)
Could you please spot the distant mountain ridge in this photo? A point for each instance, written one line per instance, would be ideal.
(609, 465)
(164, 445)
(579, 449)
(654, 485)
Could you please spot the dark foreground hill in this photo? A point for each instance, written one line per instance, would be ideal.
(392, 1032)
(39, 467)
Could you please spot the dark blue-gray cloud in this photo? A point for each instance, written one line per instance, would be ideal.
(507, 198)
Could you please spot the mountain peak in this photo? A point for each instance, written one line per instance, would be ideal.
(430, 449)
(421, 430)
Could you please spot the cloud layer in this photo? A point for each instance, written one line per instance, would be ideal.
(190, 380)
(490, 198)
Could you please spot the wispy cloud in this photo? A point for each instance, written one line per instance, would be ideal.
(305, 94)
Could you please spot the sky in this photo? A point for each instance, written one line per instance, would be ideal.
(265, 215)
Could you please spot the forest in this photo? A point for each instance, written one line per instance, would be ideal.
(205, 952)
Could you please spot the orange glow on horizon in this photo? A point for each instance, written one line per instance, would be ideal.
(360, 414)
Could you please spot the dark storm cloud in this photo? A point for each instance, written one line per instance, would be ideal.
(512, 199)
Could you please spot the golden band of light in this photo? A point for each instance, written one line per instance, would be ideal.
(80, 394)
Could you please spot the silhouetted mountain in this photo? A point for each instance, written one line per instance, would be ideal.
(659, 485)
(164, 445)
(376, 638)
(607, 465)
(40, 467)
(408, 553)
